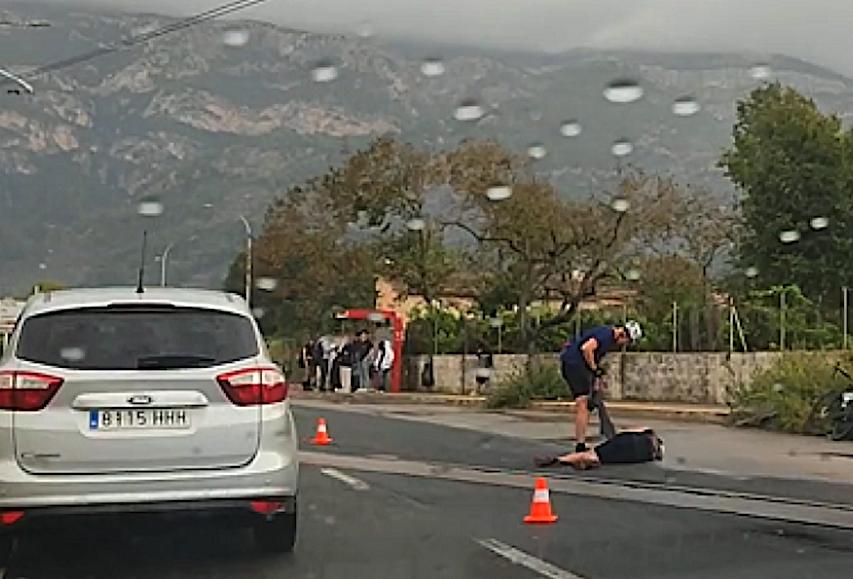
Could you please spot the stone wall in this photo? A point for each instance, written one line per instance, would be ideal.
(702, 378)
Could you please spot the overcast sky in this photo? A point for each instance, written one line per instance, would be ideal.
(816, 30)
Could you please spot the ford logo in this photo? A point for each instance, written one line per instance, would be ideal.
(140, 400)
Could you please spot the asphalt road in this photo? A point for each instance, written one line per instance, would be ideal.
(356, 524)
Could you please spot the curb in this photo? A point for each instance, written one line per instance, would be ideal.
(661, 411)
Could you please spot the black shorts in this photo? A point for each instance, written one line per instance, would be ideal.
(579, 378)
(626, 448)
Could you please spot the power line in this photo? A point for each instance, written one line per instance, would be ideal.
(126, 43)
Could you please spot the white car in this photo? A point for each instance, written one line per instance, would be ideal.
(115, 401)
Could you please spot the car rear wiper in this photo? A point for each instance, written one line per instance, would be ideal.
(170, 361)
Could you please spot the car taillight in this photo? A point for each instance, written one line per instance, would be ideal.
(254, 386)
(266, 507)
(27, 391)
(11, 517)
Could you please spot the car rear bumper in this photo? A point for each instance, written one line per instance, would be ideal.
(270, 474)
(246, 510)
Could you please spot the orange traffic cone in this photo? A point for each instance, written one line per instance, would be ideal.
(322, 437)
(540, 508)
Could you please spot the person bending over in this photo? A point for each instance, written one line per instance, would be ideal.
(580, 365)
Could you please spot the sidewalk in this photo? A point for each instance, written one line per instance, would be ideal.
(660, 410)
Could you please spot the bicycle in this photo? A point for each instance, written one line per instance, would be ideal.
(835, 408)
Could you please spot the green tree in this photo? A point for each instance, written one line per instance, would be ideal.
(309, 266)
(792, 164)
(804, 329)
(545, 247)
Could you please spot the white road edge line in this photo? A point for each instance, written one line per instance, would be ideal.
(519, 557)
(356, 484)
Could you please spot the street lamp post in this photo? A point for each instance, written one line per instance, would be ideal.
(164, 259)
(249, 260)
(17, 80)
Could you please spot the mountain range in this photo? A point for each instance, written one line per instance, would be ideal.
(215, 121)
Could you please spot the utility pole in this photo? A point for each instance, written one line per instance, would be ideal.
(782, 320)
(249, 260)
(675, 326)
(731, 324)
(844, 303)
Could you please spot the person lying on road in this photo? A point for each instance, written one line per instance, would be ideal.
(627, 447)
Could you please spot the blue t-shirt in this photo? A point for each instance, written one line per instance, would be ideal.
(572, 355)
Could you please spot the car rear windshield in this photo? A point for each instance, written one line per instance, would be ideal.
(132, 338)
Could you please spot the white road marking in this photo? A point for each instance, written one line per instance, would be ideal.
(355, 483)
(519, 557)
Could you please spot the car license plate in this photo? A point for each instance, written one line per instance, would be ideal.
(135, 419)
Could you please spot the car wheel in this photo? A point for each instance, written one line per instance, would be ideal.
(277, 535)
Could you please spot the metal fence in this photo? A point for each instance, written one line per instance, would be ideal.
(776, 320)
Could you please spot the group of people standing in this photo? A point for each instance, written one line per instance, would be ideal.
(348, 364)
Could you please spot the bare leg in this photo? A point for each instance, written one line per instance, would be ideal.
(580, 460)
(581, 418)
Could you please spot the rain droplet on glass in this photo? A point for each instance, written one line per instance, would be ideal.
(499, 193)
(42, 265)
(685, 106)
(760, 72)
(751, 272)
(469, 111)
(537, 151)
(777, 387)
(571, 128)
(623, 91)
(324, 72)
(535, 115)
(72, 354)
(235, 37)
(789, 236)
(266, 284)
(632, 274)
(150, 207)
(818, 223)
(416, 224)
(620, 205)
(432, 67)
(258, 312)
(365, 29)
(622, 148)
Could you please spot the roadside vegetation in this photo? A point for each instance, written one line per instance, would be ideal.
(785, 396)
(525, 385)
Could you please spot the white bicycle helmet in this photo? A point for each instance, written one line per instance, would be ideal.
(635, 332)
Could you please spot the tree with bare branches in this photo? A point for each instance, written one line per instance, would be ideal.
(560, 250)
